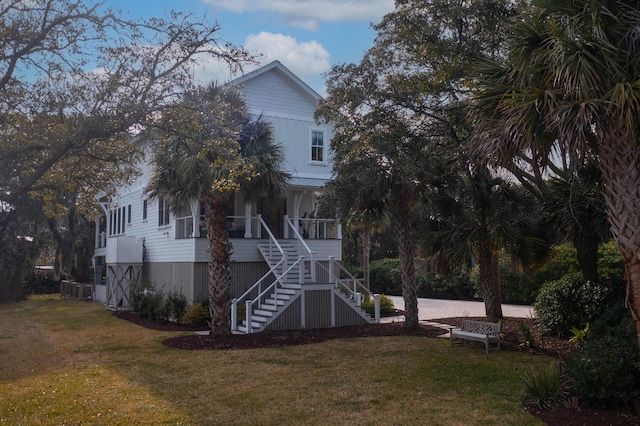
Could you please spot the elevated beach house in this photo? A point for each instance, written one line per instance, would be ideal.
(285, 260)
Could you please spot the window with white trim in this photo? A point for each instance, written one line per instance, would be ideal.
(145, 207)
(317, 146)
(117, 218)
(163, 211)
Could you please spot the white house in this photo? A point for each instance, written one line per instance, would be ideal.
(285, 260)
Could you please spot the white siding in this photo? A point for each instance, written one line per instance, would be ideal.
(270, 92)
(294, 134)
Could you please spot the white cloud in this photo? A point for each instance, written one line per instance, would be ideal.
(307, 13)
(304, 59)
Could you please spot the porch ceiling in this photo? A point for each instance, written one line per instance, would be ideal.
(307, 182)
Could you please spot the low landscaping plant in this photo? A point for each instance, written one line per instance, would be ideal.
(546, 387)
(175, 305)
(386, 305)
(196, 315)
(604, 371)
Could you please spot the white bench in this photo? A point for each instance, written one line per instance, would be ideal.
(478, 331)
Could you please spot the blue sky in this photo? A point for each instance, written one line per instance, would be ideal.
(307, 36)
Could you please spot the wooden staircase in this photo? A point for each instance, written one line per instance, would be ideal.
(284, 286)
(289, 289)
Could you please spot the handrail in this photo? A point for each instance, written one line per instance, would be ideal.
(299, 237)
(342, 281)
(250, 303)
(271, 237)
(257, 284)
(353, 293)
(277, 280)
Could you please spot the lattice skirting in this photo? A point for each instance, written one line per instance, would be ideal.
(121, 278)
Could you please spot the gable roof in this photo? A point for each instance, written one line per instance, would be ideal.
(277, 66)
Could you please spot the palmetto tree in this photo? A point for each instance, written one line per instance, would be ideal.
(573, 71)
(211, 149)
(477, 217)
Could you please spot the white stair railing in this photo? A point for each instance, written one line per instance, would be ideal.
(257, 286)
(303, 248)
(351, 286)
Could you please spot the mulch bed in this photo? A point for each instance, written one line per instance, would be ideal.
(512, 339)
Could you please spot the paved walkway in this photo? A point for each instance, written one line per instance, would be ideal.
(429, 309)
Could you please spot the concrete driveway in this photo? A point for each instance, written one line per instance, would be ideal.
(429, 309)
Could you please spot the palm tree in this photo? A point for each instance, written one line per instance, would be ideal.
(477, 218)
(576, 208)
(572, 70)
(211, 150)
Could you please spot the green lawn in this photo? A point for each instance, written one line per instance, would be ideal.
(71, 362)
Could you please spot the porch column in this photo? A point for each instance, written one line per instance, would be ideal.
(96, 218)
(247, 220)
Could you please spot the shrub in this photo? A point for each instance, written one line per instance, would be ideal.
(457, 285)
(569, 302)
(175, 305)
(546, 387)
(386, 276)
(604, 372)
(148, 302)
(386, 305)
(196, 315)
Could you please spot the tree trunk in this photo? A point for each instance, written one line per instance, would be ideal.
(219, 265)
(587, 254)
(366, 252)
(401, 199)
(489, 283)
(620, 167)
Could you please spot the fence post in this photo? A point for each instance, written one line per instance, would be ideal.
(301, 269)
(376, 297)
(248, 306)
(234, 314)
(332, 273)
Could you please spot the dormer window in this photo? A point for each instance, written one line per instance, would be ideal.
(317, 146)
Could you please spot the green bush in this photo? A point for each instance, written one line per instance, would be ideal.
(196, 315)
(457, 285)
(517, 288)
(386, 276)
(547, 387)
(570, 302)
(604, 372)
(148, 302)
(175, 305)
(386, 305)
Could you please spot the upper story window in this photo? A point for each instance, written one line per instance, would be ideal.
(145, 209)
(317, 146)
(117, 219)
(163, 211)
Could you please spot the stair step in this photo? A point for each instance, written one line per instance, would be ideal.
(243, 329)
(258, 319)
(263, 312)
(269, 307)
(254, 324)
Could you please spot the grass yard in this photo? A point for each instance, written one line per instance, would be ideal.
(72, 362)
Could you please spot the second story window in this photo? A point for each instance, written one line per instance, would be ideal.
(163, 211)
(117, 221)
(145, 205)
(317, 146)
